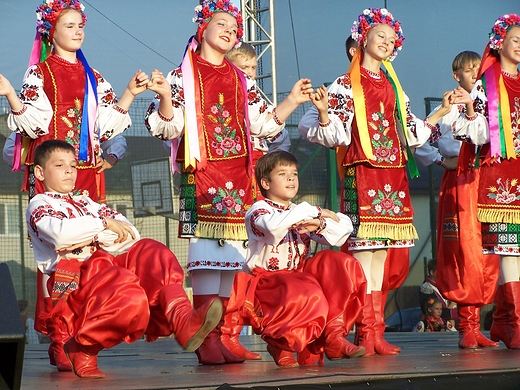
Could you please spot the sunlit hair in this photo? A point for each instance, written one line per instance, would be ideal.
(268, 162)
(243, 50)
(464, 59)
(43, 152)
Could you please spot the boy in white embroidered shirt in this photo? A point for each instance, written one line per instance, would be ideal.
(114, 298)
(293, 300)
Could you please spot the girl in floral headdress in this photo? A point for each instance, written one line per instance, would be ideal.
(210, 111)
(492, 121)
(63, 98)
(366, 116)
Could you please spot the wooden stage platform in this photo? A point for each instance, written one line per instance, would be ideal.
(427, 361)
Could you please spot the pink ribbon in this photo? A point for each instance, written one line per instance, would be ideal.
(493, 100)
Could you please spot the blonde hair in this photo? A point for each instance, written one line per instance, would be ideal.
(464, 59)
(244, 50)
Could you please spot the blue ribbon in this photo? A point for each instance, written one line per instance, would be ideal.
(84, 133)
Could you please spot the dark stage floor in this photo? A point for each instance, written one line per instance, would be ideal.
(427, 361)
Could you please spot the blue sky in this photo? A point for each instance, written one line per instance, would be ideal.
(435, 31)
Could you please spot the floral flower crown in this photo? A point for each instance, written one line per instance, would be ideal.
(205, 11)
(48, 12)
(371, 17)
(499, 30)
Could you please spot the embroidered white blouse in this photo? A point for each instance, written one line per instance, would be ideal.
(274, 242)
(56, 221)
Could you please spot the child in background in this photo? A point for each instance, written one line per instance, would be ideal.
(63, 98)
(432, 321)
(118, 298)
(491, 121)
(244, 58)
(463, 274)
(293, 300)
(368, 111)
(428, 289)
(221, 109)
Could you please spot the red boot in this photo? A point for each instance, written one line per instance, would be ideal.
(467, 338)
(500, 329)
(336, 345)
(310, 358)
(381, 346)
(59, 335)
(365, 335)
(189, 326)
(230, 332)
(212, 351)
(229, 356)
(83, 359)
(512, 298)
(482, 340)
(284, 359)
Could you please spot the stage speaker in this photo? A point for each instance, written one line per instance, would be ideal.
(12, 334)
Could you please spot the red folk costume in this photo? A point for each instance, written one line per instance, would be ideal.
(496, 128)
(222, 196)
(114, 298)
(217, 190)
(69, 102)
(372, 128)
(215, 113)
(63, 84)
(53, 96)
(292, 300)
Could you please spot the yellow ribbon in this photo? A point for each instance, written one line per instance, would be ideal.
(360, 112)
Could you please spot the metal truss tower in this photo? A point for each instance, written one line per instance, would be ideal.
(259, 29)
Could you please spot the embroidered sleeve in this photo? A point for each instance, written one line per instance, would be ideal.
(112, 119)
(34, 119)
(333, 233)
(157, 124)
(262, 124)
(417, 130)
(337, 131)
(62, 228)
(474, 129)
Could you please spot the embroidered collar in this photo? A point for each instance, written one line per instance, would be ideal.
(278, 206)
(58, 195)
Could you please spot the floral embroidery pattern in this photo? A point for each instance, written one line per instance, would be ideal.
(227, 200)
(505, 192)
(73, 123)
(515, 125)
(386, 201)
(273, 264)
(383, 145)
(227, 142)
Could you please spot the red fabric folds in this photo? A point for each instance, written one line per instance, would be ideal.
(118, 297)
(342, 281)
(397, 265)
(291, 308)
(464, 274)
